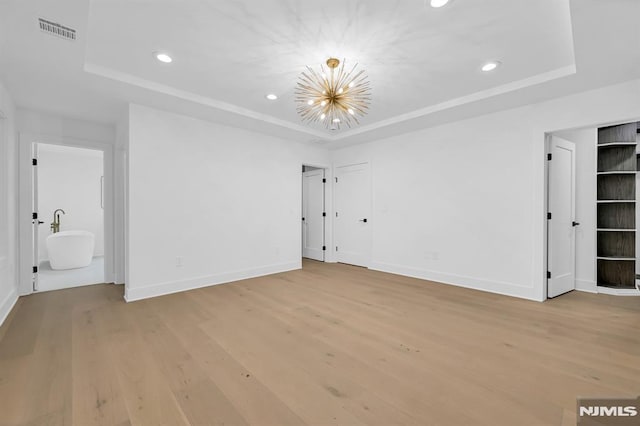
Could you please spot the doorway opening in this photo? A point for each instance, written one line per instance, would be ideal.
(69, 221)
(314, 213)
(592, 190)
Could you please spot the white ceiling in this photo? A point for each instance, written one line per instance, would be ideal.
(423, 63)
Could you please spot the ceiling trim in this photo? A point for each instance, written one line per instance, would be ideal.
(467, 99)
(235, 109)
(199, 99)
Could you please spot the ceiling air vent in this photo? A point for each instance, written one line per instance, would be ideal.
(57, 30)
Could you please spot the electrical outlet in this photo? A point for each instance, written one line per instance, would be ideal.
(179, 261)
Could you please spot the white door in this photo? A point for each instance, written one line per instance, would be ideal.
(313, 214)
(562, 206)
(353, 214)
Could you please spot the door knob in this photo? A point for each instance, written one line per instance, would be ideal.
(363, 220)
(574, 223)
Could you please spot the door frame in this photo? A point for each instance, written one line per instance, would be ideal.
(371, 210)
(25, 233)
(329, 255)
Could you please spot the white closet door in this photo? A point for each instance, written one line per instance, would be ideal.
(312, 214)
(562, 206)
(353, 214)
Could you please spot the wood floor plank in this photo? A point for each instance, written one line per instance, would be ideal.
(257, 403)
(146, 393)
(328, 344)
(49, 380)
(97, 397)
(200, 399)
(294, 386)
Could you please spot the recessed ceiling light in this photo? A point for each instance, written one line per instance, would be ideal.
(271, 97)
(490, 66)
(163, 57)
(438, 3)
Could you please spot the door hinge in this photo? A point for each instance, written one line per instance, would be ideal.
(324, 180)
(34, 216)
(548, 274)
(549, 156)
(336, 180)
(324, 214)
(35, 269)
(336, 248)
(324, 248)
(34, 161)
(549, 216)
(336, 214)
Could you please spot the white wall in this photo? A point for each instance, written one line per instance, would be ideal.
(69, 178)
(224, 200)
(47, 124)
(8, 205)
(586, 194)
(464, 203)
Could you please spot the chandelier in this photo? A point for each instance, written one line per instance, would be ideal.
(334, 96)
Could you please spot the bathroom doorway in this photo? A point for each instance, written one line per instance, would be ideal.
(68, 227)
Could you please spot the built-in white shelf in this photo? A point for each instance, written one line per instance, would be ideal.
(616, 144)
(615, 201)
(615, 230)
(615, 258)
(621, 172)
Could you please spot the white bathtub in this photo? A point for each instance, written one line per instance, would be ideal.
(70, 249)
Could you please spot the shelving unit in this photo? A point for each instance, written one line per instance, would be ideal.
(616, 210)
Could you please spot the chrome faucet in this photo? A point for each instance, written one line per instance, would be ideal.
(55, 225)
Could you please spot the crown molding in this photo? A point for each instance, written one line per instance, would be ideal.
(322, 136)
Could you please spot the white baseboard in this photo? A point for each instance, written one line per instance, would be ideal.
(7, 305)
(586, 286)
(504, 288)
(133, 294)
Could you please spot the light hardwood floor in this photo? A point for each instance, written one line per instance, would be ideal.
(330, 344)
